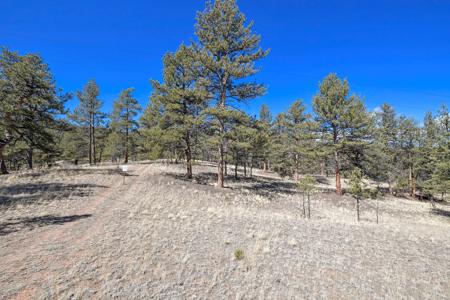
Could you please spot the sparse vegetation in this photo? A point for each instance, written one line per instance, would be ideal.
(81, 227)
(239, 254)
(307, 185)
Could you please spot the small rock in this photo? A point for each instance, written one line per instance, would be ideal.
(171, 216)
(227, 242)
(266, 250)
(292, 242)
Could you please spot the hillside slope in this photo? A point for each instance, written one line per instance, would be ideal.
(85, 234)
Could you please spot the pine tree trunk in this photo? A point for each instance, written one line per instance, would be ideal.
(93, 141)
(221, 105)
(90, 144)
(336, 163)
(100, 156)
(338, 173)
(30, 158)
(304, 207)
(322, 169)
(245, 166)
(188, 157)
(226, 164)
(357, 207)
(220, 171)
(3, 169)
(296, 175)
(411, 190)
(126, 145)
(236, 166)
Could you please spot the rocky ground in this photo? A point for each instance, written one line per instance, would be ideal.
(85, 234)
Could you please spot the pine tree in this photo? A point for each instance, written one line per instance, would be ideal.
(241, 140)
(408, 139)
(343, 120)
(123, 122)
(30, 104)
(227, 50)
(182, 99)
(357, 188)
(307, 185)
(294, 141)
(73, 145)
(385, 148)
(154, 141)
(88, 114)
(265, 124)
(439, 181)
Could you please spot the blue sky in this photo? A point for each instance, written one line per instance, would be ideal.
(390, 51)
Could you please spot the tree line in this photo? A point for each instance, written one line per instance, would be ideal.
(194, 113)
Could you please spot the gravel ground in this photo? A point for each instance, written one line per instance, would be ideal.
(84, 234)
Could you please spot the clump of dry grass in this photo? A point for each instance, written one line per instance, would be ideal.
(239, 254)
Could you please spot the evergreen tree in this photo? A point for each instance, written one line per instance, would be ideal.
(408, 138)
(385, 149)
(73, 145)
(307, 185)
(123, 122)
(438, 182)
(357, 188)
(155, 141)
(265, 124)
(182, 99)
(242, 139)
(30, 104)
(88, 115)
(342, 118)
(294, 141)
(227, 50)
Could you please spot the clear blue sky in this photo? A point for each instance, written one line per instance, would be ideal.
(390, 51)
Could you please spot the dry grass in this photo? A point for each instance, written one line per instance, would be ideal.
(81, 234)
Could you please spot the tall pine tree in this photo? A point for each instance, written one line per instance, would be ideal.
(88, 114)
(30, 104)
(343, 120)
(182, 99)
(123, 122)
(227, 50)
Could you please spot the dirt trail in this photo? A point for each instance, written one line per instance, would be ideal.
(58, 247)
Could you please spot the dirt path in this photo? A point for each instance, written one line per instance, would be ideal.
(160, 237)
(29, 262)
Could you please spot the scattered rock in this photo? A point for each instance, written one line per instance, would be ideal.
(292, 242)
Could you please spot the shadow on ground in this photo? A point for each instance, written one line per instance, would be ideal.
(14, 225)
(440, 212)
(259, 185)
(73, 171)
(43, 192)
